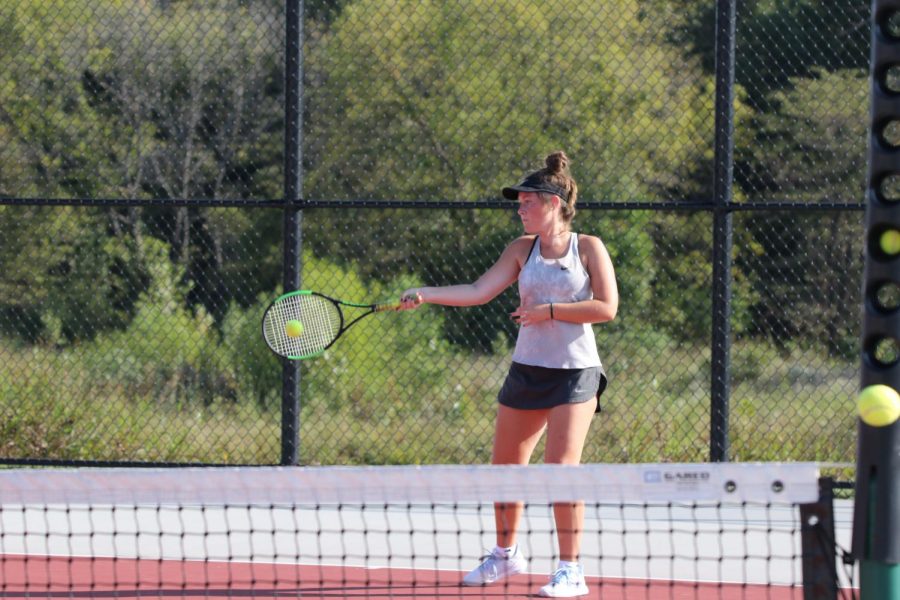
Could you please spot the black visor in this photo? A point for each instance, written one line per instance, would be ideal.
(533, 183)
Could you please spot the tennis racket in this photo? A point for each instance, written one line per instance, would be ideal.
(321, 322)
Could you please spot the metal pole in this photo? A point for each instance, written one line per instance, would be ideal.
(722, 230)
(819, 558)
(293, 215)
(876, 512)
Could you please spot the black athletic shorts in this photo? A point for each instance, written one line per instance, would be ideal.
(528, 387)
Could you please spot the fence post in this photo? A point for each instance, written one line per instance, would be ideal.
(722, 230)
(293, 215)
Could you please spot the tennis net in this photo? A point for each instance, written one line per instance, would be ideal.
(650, 531)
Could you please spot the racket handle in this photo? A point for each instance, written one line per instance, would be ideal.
(387, 306)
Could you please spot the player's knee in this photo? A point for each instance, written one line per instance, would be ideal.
(567, 456)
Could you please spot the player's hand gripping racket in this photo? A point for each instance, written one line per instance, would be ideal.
(303, 324)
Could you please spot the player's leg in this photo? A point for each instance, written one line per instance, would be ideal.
(516, 434)
(567, 429)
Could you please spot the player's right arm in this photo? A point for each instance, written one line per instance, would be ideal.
(496, 279)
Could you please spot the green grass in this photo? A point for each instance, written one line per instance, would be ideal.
(52, 407)
(371, 409)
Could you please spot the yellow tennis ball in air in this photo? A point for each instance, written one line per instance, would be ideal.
(293, 328)
(890, 242)
(878, 405)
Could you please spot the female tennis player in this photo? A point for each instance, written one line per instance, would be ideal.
(566, 283)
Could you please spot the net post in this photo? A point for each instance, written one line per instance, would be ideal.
(293, 215)
(817, 539)
(876, 512)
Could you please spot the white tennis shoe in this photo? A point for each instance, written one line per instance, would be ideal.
(496, 566)
(566, 582)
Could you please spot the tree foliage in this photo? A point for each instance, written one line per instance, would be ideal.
(777, 40)
(144, 320)
(405, 100)
(165, 100)
(811, 148)
(435, 100)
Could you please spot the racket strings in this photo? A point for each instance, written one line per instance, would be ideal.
(321, 321)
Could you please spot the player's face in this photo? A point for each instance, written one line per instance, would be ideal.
(534, 212)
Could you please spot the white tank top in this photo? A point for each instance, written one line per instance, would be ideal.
(552, 343)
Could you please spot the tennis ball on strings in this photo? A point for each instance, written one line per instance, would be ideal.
(293, 328)
(878, 405)
(890, 242)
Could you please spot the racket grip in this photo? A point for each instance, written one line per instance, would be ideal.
(387, 306)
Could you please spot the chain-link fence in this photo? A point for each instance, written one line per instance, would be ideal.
(147, 171)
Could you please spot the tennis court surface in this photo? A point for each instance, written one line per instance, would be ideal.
(651, 531)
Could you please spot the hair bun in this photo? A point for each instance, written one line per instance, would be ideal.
(557, 163)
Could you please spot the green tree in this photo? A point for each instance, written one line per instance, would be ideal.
(434, 100)
(63, 276)
(776, 40)
(137, 100)
(45, 123)
(810, 149)
(197, 108)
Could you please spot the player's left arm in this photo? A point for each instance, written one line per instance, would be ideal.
(605, 303)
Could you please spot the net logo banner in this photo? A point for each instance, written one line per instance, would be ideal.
(730, 481)
(680, 479)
